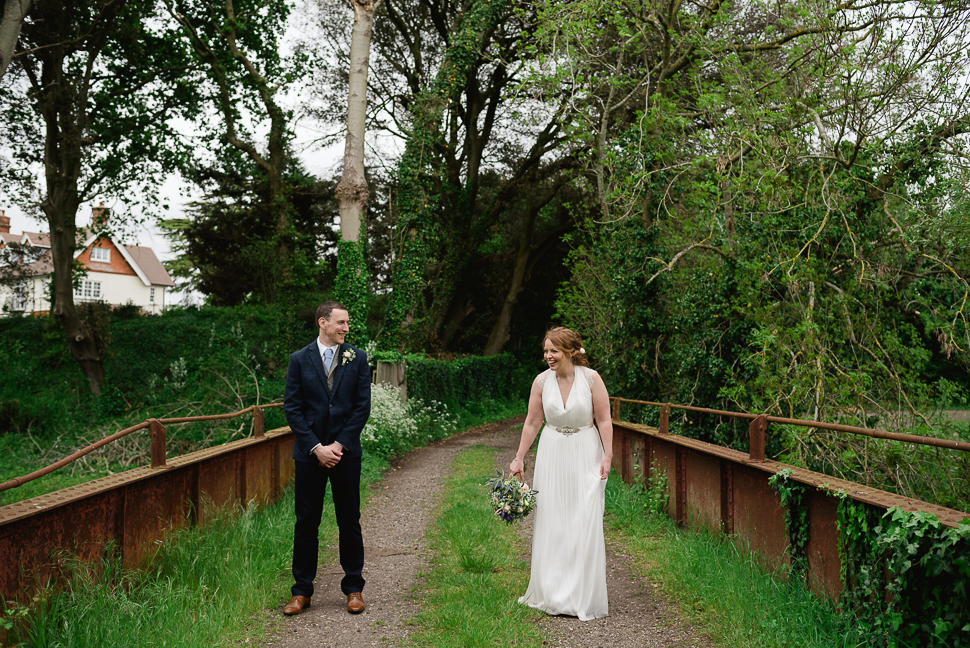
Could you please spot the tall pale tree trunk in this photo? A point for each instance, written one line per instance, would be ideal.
(14, 12)
(352, 192)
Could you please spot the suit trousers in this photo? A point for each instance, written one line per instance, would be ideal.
(310, 487)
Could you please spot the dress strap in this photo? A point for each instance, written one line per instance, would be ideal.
(541, 379)
(588, 374)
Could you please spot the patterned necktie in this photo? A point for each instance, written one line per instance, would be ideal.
(328, 358)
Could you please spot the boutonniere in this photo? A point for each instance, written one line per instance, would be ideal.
(349, 355)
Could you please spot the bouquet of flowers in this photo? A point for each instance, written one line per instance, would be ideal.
(510, 499)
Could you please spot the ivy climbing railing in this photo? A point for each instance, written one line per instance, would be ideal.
(901, 565)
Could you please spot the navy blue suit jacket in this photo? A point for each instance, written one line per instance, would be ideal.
(317, 415)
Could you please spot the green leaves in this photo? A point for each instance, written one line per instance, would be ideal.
(906, 575)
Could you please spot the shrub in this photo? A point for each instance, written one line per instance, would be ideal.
(395, 427)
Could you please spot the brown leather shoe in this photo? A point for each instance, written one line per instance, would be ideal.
(296, 605)
(355, 603)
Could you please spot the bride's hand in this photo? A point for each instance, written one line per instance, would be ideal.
(605, 466)
(517, 467)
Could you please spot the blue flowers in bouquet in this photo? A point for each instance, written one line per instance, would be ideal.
(510, 499)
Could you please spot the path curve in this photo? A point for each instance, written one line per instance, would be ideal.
(394, 522)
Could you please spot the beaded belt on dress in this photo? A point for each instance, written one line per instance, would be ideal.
(568, 430)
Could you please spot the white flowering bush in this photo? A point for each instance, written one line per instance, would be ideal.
(395, 427)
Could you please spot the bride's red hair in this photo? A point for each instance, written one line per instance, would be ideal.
(569, 342)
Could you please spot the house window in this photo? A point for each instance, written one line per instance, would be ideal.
(151, 295)
(101, 254)
(90, 290)
(20, 297)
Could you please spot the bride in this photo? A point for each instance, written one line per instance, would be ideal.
(572, 464)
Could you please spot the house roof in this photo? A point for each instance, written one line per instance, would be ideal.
(142, 259)
(150, 265)
(36, 238)
(43, 265)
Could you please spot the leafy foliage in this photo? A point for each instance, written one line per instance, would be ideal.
(416, 189)
(906, 576)
(470, 380)
(352, 285)
(227, 245)
(792, 496)
(779, 227)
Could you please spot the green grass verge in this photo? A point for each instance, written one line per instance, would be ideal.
(205, 588)
(469, 594)
(721, 588)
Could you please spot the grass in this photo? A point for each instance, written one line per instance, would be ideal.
(469, 595)
(721, 588)
(204, 588)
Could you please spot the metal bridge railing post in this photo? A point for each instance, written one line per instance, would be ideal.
(158, 443)
(259, 424)
(664, 419)
(756, 439)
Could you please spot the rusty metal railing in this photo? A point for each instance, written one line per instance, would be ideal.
(759, 424)
(158, 440)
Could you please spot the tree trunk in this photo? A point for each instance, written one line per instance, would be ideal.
(14, 12)
(61, 102)
(352, 192)
(415, 176)
(503, 324)
(61, 213)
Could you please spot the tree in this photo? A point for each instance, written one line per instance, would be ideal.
(238, 44)
(226, 246)
(97, 85)
(780, 223)
(444, 77)
(352, 191)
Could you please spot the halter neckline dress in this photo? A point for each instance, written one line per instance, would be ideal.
(568, 549)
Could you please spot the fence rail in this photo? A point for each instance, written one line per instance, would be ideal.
(158, 438)
(711, 487)
(134, 510)
(729, 491)
(759, 423)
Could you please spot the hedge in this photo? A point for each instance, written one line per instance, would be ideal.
(468, 379)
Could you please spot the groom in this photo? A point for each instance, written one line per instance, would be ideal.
(327, 402)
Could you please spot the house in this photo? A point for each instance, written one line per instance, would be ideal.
(117, 274)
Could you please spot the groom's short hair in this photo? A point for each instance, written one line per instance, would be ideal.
(326, 308)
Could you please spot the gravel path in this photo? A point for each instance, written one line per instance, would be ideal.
(394, 523)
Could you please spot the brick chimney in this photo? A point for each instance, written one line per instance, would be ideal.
(99, 217)
(4, 222)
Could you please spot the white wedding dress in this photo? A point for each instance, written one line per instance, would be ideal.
(568, 550)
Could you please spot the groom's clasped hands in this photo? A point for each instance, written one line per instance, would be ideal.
(329, 455)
